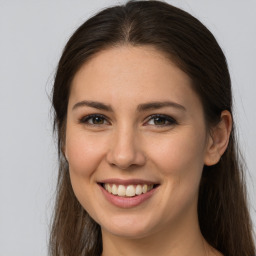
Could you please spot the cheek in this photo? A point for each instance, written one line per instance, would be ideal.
(179, 150)
(84, 152)
(180, 159)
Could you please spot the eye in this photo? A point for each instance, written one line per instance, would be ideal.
(95, 119)
(161, 120)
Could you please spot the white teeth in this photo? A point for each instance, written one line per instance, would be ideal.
(109, 188)
(121, 191)
(144, 188)
(128, 191)
(138, 190)
(114, 189)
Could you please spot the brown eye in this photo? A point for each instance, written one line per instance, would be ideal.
(97, 120)
(161, 120)
(94, 120)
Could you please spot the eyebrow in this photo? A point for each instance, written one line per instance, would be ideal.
(161, 104)
(93, 104)
(140, 108)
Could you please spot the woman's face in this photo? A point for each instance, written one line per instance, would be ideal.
(136, 128)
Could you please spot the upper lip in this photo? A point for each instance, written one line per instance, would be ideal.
(127, 181)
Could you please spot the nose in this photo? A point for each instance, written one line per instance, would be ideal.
(125, 149)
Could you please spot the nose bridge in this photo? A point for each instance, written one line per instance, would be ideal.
(125, 149)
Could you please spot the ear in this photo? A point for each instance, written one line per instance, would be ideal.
(218, 139)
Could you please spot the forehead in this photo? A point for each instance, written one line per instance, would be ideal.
(132, 74)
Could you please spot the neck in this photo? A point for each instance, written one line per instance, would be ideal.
(178, 240)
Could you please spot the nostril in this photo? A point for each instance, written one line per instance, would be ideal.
(125, 155)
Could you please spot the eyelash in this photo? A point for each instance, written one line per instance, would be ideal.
(165, 118)
(85, 119)
(170, 121)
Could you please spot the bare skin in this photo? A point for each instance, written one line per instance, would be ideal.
(116, 129)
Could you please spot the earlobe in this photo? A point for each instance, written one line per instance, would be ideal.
(218, 140)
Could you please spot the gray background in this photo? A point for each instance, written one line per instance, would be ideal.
(32, 36)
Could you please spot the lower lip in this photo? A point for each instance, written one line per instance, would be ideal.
(127, 202)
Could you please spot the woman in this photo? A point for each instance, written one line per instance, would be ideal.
(148, 158)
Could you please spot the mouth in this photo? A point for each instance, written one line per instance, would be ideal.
(128, 190)
(128, 193)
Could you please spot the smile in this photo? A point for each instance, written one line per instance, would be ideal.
(127, 193)
(127, 190)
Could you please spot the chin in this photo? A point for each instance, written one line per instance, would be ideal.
(129, 233)
(128, 226)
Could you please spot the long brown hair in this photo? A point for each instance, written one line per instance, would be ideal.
(222, 206)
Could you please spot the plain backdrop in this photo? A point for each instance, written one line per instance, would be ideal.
(32, 36)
